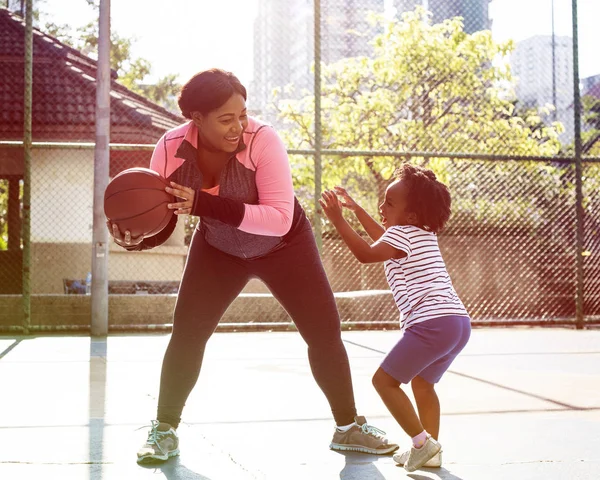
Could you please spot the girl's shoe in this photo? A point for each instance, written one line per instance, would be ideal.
(418, 457)
(434, 462)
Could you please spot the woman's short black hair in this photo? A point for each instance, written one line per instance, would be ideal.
(427, 197)
(208, 90)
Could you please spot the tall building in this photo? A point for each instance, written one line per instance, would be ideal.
(475, 13)
(532, 66)
(272, 45)
(302, 51)
(590, 83)
(345, 29)
(284, 42)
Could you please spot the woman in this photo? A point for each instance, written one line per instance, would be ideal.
(233, 172)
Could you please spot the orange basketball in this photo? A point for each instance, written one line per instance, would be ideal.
(136, 200)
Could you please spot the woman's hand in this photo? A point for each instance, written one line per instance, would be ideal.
(331, 206)
(186, 194)
(123, 240)
(347, 201)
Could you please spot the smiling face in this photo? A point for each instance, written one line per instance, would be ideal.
(393, 210)
(222, 129)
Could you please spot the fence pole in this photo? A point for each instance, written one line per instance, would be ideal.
(318, 133)
(27, 146)
(99, 325)
(554, 113)
(578, 172)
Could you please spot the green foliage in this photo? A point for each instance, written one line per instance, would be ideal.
(131, 71)
(427, 88)
(162, 92)
(3, 214)
(590, 135)
(591, 118)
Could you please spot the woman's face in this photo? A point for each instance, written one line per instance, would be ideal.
(222, 128)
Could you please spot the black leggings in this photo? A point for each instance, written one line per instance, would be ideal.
(213, 279)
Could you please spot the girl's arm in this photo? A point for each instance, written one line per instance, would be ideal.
(373, 229)
(364, 253)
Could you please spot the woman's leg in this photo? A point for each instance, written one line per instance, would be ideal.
(296, 277)
(211, 281)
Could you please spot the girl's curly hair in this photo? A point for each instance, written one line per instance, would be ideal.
(427, 197)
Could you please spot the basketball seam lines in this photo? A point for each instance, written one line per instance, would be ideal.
(133, 190)
(138, 214)
(169, 212)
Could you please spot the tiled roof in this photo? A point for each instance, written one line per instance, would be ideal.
(64, 93)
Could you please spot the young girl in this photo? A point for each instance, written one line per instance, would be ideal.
(434, 323)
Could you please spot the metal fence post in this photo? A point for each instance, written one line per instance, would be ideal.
(99, 325)
(318, 133)
(27, 141)
(578, 173)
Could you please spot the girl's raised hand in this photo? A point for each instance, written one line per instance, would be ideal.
(347, 201)
(331, 206)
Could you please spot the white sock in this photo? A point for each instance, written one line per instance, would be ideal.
(345, 428)
(420, 439)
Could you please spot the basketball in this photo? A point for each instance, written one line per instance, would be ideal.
(136, 200)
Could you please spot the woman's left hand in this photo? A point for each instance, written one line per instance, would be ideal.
(331, 206)
(186, 194)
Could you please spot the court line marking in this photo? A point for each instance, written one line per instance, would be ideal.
(493, 384)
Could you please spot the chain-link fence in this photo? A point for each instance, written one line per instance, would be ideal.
(432, 83)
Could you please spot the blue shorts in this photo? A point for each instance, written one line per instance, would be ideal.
(427, 349)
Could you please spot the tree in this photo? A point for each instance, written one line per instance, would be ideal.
(429, 88)
(591, 118)
(131, 72)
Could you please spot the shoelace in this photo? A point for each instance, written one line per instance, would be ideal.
(371, 430)
(154, 434)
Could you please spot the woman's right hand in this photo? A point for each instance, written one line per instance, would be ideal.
(123, 240)
(346, 200)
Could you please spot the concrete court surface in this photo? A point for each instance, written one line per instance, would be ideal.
(518, 403)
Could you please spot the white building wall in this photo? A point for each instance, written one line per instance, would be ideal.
(62, 189)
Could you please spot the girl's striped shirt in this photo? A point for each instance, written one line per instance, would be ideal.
(420, 283)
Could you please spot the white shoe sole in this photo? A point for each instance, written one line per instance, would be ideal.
(416, 466)
(435, 462)
(363, 449)
(157, 458)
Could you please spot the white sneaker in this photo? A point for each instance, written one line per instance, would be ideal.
(161, 444)
(434, 462)
(363, 438)
(418, 457)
